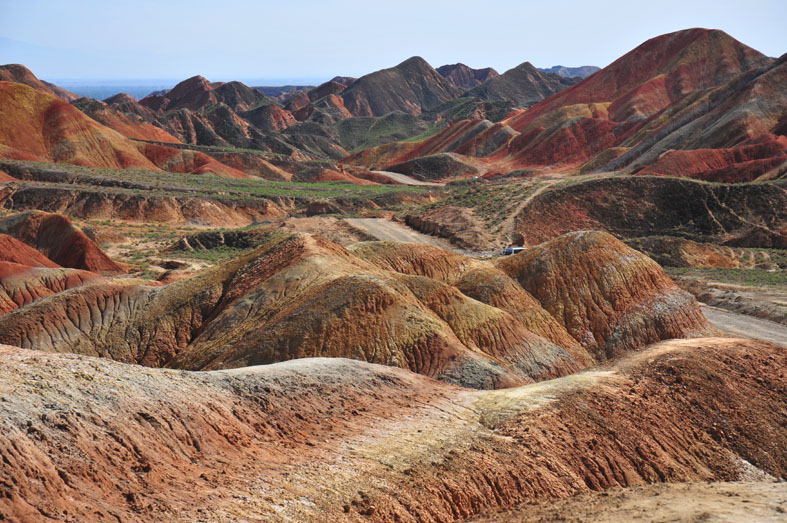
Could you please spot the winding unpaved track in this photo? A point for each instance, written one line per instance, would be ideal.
(508, 224)
(746, 326)
(407, 180)
(387, 230)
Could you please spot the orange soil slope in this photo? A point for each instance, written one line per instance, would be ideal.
(39, 125)
(21, 74)
(59, 240)
(15, 251)
(35, 125)
(129, 125)
(186, 161)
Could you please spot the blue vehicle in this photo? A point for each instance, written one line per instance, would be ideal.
(512, 250)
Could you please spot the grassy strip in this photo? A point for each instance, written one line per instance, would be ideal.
(209, 185)
(748, 277)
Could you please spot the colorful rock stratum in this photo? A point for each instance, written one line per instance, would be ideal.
(230, 303)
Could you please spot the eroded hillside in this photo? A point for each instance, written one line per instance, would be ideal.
(300, 296)
(372, 442)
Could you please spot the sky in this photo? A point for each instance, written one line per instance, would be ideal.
(317, 39)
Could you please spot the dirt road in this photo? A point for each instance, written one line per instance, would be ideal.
(746, 326)
(407, 180)
(507, 227)
(386, 230)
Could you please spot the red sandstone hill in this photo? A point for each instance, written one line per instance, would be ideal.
(323, 90)
(59, 240)
(15, 251)
(22, 284)
(741, 135)
(693, 103)
(188, 161)
(131, 125)
(656, 74)
(466, 137)
(120, 98)
(36, 125)
(270, 117)
(21, 74)
(197, 93)
(626, 101)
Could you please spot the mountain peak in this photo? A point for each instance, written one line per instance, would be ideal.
(465, 76)
(120, 98)
(22, 75)
(414, 61)
(195, 83)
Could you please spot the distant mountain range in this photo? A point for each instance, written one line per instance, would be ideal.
(695, 102)
(571, 72)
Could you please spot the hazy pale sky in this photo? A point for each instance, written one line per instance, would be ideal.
(312, 39)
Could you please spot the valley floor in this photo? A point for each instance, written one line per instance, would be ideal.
(743, 502)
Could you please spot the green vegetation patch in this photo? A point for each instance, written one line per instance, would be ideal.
(161, 183)
(748, 277)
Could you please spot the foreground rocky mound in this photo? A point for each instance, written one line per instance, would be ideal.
(299, 296)
(611, 298)
(57, 238)
(753, 499)
(739, 215)
(91, 439)
(477, 280)
(296, 296)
